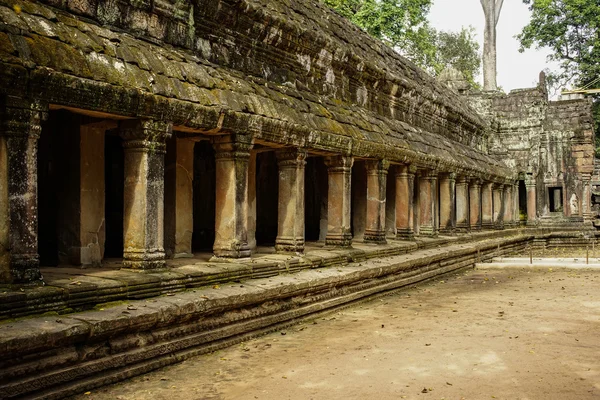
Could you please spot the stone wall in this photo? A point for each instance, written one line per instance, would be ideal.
(549, 143)
(286, 72)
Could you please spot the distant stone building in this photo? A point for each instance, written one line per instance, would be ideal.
(550, 145)
(154, 129)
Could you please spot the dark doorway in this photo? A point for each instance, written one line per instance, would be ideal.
(359, 200)
(267, 198)
(47, 194)
(114, 175)
(203, 236)
(555, 199)
(390, 203)
(315, 199)
(416, 205)
(522, 200)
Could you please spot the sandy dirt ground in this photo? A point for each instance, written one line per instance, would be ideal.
(483, 334)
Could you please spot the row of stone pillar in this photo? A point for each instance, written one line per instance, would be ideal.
(458, 206)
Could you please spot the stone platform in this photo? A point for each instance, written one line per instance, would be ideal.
(69, 289)
(207, 308)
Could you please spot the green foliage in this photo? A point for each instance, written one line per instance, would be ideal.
(571, 29)
(459, 50)
(403, 25)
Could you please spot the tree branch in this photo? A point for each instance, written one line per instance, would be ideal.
(498, 9)
(484, 6)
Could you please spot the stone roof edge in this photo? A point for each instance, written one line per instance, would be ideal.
(42, 84)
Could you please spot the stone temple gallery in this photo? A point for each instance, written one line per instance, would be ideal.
(150, 147)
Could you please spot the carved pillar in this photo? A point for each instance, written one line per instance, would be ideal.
(377, 171)
(232, 155)
(143, 211)
(89, 247)
(531, 199)
(252, 200)
(515, 206)
(20, 128)
(498, 206)
(290, 228)
(475, 205)
(339, 169)
(405, 177)
(507, 199)
(462, 203)
(487, 206)
(447, 202)
(428, 203)
(184, 197)
(586, 199)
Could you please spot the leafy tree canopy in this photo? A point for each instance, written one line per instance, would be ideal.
(403, 25)
(571, 29)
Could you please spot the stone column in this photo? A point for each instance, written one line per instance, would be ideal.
(498, 194)
(487, 206)
(405, 177)
(428, 203)
(531, 200)
(586, 198)
(377, 171)
(507, 196)
(232, 156)
(475, 205)
(447, 202)
(339, 169)
(290, 228)
(143, 211)
(252, 200)
(92, 235)
(20, 128)
(184, 197)
(462, 203)
(515, 205)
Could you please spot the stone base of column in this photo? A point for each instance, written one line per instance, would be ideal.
(475, 228)
(499, 226)
(289, 245)
(344, 240)
(242, 251)
(428, 231)
(447, 231)
(374, 237)
(405, 234)
(462, 227)
(25, 268)
(487, 225)
(144, 261)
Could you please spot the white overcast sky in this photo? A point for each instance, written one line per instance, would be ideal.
(515, 70)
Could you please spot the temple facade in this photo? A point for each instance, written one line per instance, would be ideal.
(149, 130)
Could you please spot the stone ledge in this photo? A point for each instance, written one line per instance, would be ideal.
(75, 289)
(52, 357)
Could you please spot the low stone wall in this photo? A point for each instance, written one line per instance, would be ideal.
(56, 356)
(74, 290)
